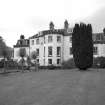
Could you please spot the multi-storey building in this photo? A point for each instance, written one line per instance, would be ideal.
(54, 46)
(99, 44)
(21, 43)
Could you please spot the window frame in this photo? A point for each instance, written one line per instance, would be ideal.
(58, 52)
(50, 55)
(59, 39)
(50, 39)
(37, 51)
(70, 39)
(95, 50)
(37, 41)
(59, 61)
(49, 60)
(71, 51)
(32, 42)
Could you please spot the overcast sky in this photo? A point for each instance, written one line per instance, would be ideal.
(30, 16)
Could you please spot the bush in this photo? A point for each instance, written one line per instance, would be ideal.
(11, 64)
(69, 64)
(51, 67)
(2, 63)
(99, 62)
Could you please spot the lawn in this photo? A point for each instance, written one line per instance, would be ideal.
(53, 87)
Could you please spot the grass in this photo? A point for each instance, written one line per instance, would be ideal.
(61, 87)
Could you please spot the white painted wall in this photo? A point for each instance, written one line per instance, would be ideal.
(101, 50)
(41, 46)
(16, 53)
(65, 49)
(66, 46)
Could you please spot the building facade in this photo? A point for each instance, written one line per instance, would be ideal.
(21, 43)
(54, 46)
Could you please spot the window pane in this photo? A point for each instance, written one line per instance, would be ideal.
(32, 42)
(98, 37)
(58, 38)
(44, 51)
(71, 51)
(44, 61)
(49, 39)
(37, 50)
(49, 61)
(95, 50)
(37, 60)
(44, 39)
(58, 61)
(49, 51)
(37, 41)
(58, 51)
(70, 39)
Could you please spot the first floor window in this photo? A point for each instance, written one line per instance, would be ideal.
(37, 51)
(32, 42)
(58, 38)
(49, 51)
(44, 39)
(49, 61)
(58, 51)
(44, 51)
(95, 50)
(37, 41)
(58, 61)
(44, 61)
(71, 51)
(49, 39)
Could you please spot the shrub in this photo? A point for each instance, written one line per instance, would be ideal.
(99, 62)
(69, 64)
(2, 63)
(11, 64)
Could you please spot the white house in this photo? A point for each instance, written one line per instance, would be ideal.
(21, 43)
(54, 46)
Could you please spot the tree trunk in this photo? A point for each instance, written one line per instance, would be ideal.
(4, 66)
(22, 64)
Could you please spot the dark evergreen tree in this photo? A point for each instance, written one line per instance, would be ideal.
(104, 31)
(82, 44)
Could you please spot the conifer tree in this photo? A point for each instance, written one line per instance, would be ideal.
(82, 45)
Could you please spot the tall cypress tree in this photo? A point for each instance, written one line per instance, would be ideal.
(82, 46)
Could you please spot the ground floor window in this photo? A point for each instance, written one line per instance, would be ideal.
(49, 51)
(58, 51)
(49, 61)
(95, 50)
(37, 51)
(44, 61)
(37, 60)
(58, 61)
(71, 51)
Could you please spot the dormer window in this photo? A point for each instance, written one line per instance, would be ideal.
(58, 38)
(32, 42)
(49, 39)
(37, 41)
